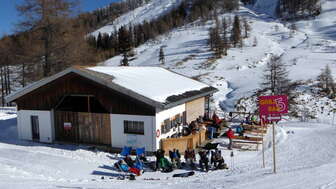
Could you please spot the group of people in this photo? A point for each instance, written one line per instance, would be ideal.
(251, 120)
(207, 159)
(216, 160)
(197, 125)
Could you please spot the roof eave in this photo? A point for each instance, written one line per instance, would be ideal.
(173, 104)
(12, 97)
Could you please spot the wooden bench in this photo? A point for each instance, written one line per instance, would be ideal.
(246, 142)
(257, 139)
(254, 127)
(255, 131)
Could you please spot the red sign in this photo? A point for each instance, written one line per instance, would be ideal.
(67, 126)
(273, 105)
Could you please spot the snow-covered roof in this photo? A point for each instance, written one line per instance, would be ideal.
(153, 82)
(156, 86)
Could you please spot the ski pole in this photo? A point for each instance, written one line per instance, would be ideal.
(232, 159)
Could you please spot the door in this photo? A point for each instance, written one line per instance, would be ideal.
(89, 128)
(35, 127)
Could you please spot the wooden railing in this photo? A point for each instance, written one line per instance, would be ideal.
(183, 143)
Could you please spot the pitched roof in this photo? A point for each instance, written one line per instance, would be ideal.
(155, 86)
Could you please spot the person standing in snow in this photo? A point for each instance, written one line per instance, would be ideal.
(230, 135)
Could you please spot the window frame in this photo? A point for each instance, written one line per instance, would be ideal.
(128, 128)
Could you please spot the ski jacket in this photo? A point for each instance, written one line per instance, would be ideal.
(230, 134)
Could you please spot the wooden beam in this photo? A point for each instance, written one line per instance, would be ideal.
(245, 142)
(248, 138)
(88, 102)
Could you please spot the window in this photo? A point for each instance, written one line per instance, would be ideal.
(166, 126)
(178, 119)
(173, 122)
(134, 127)
(184, 118)
(207, 105)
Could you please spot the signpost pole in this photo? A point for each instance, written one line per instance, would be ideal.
(274, 162)
(333, 120)
(263, 149)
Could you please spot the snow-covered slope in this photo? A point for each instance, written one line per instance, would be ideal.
(147, 12)
(239, 74)
(305, 160)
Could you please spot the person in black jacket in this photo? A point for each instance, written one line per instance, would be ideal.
(158, 155)
(204, 160)
(190, 158)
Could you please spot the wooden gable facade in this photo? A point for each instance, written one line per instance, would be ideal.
(88, 92)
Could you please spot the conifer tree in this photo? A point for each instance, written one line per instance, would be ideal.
(326, 81)
(236, 37)
(161, 56)
(225, 40)
(124, 41)
(247, 27)
(124, 61)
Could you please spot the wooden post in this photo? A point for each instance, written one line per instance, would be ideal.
(88, 101)
(274, 162)
(333, 120)
(263, 148)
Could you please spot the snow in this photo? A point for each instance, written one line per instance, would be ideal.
(153, 82)
(305, 150)
(305, 156)
(147, 12)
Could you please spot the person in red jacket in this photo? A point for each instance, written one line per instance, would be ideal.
(216, 119)
(230, 135)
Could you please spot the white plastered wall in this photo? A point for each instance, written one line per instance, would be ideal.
(46, 125)
(121, 139)
(163, 115)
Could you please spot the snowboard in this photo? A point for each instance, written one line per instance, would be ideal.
(186, 174)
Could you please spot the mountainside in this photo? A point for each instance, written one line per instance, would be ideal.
(149, 11)
(305, 51)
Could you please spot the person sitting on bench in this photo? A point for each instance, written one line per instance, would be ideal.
(218, 160)
(190, 158)
(204, 160)
(175, 158)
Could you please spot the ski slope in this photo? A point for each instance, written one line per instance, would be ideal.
(147, 12)
(306, 52)
(305, 156)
